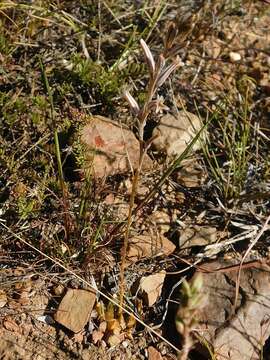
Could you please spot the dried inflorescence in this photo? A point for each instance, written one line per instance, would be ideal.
(158, 74)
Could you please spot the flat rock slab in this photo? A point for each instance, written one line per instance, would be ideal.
(151, 287)
(154, 354)
(191, 174)
(197, 235)
(242, 336)
(146, 246)
(75, 309)
(110, 148)
(173, 134)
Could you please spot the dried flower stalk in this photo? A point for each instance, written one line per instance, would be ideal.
(158, 74)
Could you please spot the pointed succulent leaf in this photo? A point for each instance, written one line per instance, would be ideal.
(167, 71)
(148, 57)
(132, 102)
(160, 63)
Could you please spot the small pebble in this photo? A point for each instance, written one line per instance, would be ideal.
(234, 56)
(59, 289)
(125, 343)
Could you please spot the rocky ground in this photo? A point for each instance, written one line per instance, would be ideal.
(196, 274)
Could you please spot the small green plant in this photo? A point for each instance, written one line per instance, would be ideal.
(229, 155)
(4, 45)
(192, 300)
(92, 72)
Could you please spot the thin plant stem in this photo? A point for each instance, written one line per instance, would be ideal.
(126, 237)
(134, 189)
(186, 345)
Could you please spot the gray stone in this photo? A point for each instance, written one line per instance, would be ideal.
(110, 148)
(75, 309)
(173, 134)
(241, 336)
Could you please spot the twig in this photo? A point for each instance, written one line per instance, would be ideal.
(99, 31)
